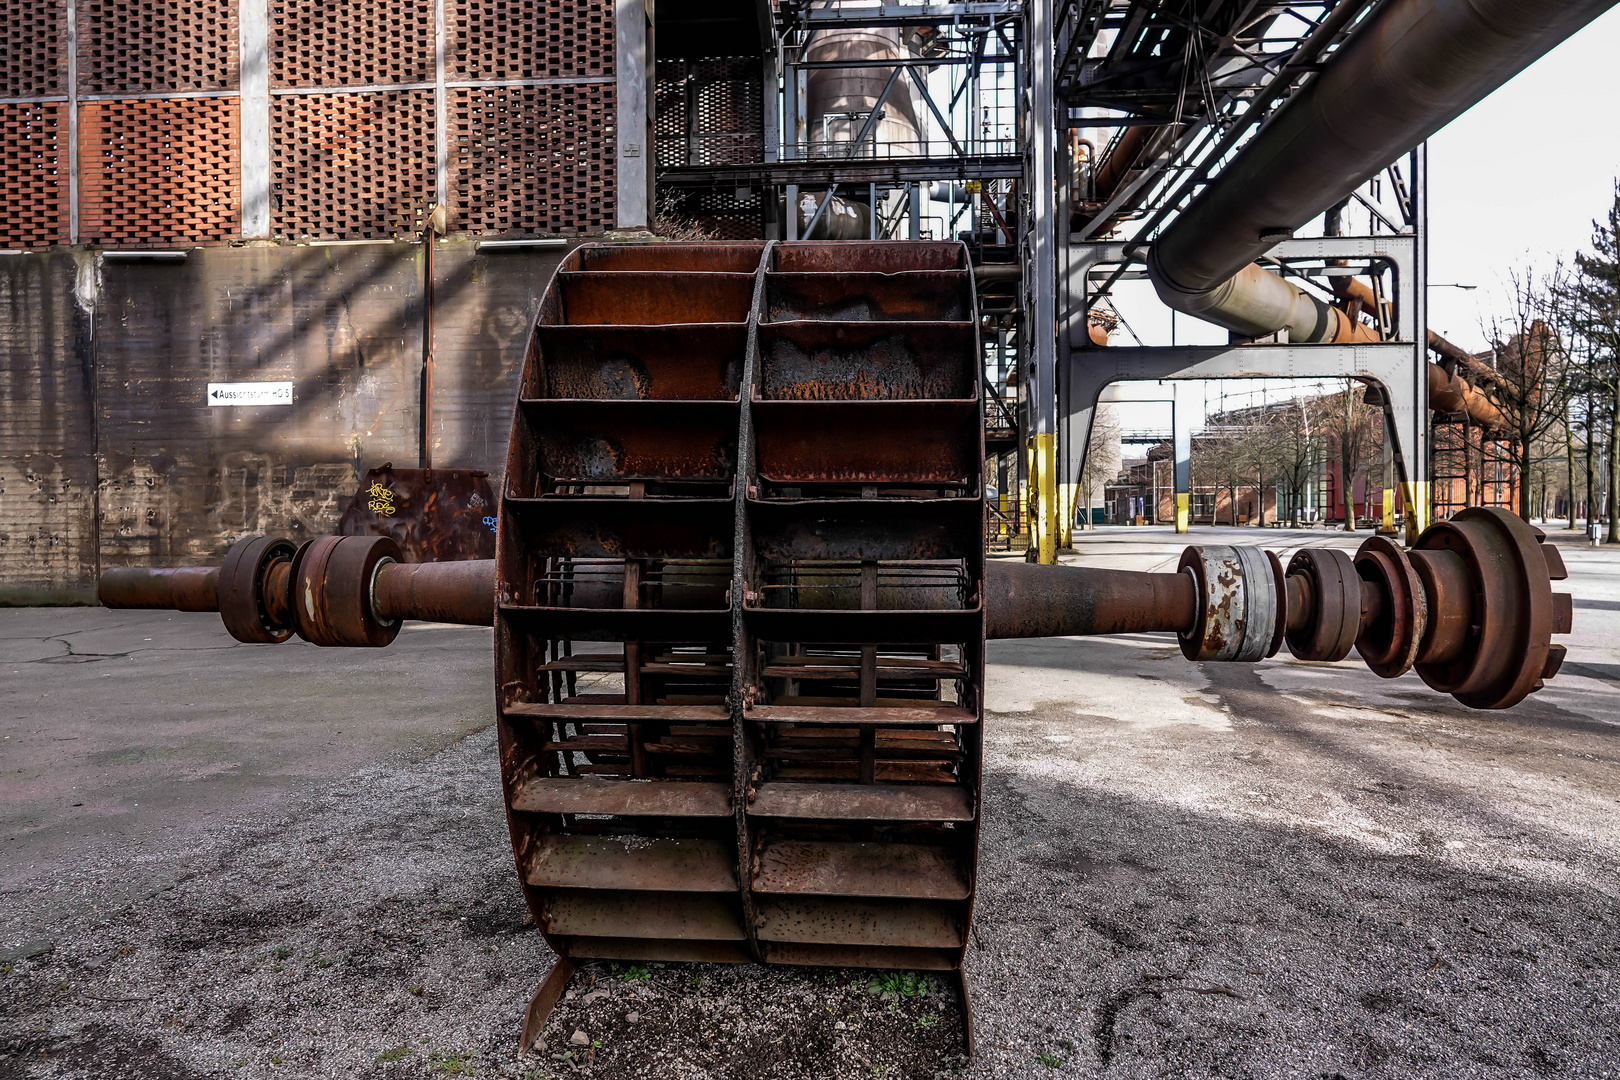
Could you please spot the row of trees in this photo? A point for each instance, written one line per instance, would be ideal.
(1283, 447)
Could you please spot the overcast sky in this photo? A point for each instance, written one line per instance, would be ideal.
(1517, 179)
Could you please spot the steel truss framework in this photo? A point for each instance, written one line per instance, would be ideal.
(1182, 86)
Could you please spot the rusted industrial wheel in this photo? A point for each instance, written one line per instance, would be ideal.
(333, 578)
(1389, 643)
(1237, 604)
(1492, 643)
(740, 620)
(242, 601)
(1334, 590)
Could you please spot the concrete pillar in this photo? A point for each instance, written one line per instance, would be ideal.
(1040, 279)
(634, 165)
(1181, 426)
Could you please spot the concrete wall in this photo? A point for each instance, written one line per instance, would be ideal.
(47, 433)
(110, 454)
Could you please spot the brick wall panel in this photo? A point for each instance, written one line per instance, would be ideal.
(156, 46)
(33, 48)
(351, 166)
(159, 171)
(514, 39)
(530, 159)
(350, 42)
(33, 176)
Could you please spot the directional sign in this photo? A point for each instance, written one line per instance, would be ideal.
(250, 393)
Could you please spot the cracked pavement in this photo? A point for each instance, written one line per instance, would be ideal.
(292, 862)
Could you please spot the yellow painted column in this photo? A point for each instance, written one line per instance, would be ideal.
(1418, 509)
(1065, 505)
(1183, 511)
(1043, 480)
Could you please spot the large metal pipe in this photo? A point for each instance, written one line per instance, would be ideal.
(1029, 600)
(1453, 393)
(445, 592)
(1411, 69)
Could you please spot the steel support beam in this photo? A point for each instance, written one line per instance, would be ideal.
(1040, 277)
(1400, 365)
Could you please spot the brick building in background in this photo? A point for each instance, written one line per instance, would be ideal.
(199, 193)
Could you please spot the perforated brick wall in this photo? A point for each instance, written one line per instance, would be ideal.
(158, 171)
(152, 46)
(533, 159)
(351, 42)
(709, 112)
(33, 48)
(354, 160)
(33, 175)
(351, 166)
(512, 39)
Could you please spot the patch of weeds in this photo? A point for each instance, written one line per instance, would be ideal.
(923, 1023)
(275, 1059)
(323, 962)
(278, 969)
(282, 952)
(906, 984)
(61, 986)
(633, 972)
(1066, 1044)
(1051, 1061)
(456, 1064)
(5, 969)
(395, 1054)
(415, 991)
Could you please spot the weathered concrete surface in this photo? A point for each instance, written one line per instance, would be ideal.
(47, 443)
(110, 454)
(1289, 870)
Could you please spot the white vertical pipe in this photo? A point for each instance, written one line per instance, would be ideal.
(630, 67)
(253, 32)
(441, 126)
(73, 119)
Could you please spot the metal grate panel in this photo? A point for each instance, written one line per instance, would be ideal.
(351, 166)
(534, 159)
(146, 46)
(33, 59)
(509, 39)
(33, 175)
(158, 171)
(708, 112)
(351, 42)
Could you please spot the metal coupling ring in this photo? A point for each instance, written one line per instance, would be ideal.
(332, 581)
(241, 589)
(1335, 588)
(1237, 604)
(1389, 643)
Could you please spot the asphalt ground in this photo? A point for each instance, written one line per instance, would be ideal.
(233, 861)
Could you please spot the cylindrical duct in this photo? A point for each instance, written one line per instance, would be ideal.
(1411, 69)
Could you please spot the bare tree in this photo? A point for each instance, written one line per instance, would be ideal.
(1532, 365)
(1297, 449)
(1102, 456)
(1355, 430)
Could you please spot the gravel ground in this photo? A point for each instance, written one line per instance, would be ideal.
(1291, 870)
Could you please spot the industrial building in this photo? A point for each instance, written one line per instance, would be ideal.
(707, 353)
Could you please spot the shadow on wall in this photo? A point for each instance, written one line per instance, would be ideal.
(178, 481)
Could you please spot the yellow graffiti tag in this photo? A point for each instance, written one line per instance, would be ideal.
(381, 500)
